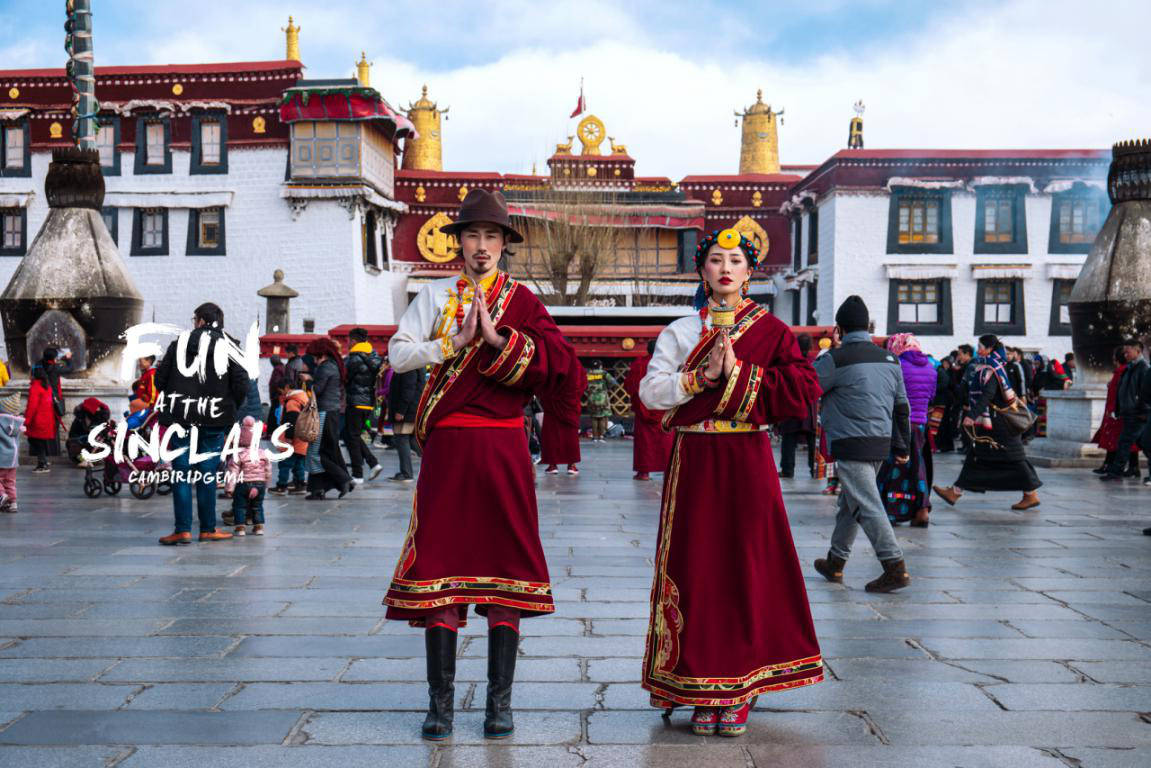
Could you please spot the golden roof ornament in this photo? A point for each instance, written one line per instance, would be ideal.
(292, 34)
(364, 71)
(591, 133)
(759, 147)
(855, 128)
(426, 152)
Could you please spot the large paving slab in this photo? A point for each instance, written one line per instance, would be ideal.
(1024, 639)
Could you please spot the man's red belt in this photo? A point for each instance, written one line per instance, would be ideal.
(472, 420)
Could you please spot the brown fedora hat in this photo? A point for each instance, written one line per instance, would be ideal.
(481, 205)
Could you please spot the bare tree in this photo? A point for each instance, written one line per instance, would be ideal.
(569, 241)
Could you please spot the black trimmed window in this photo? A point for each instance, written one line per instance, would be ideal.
(686, 242)
(812, 302)
(385, 252)
(15, 149)
(1076, 216)
(813, 236)
(13, 231)
(206, 232)
(796, 251)
(795, 298)
(1060, 313)
(1001, 219)
(919, 306)
(209, 143)
(369, 237)
(150, 232)
(111, 218)
(919, 221)
(999, 307)
(153, 145)
(108, 145)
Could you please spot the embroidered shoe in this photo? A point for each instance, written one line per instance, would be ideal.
(704, 721)
(733, 720)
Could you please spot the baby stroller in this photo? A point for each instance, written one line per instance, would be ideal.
(85, 416)
(110, 477)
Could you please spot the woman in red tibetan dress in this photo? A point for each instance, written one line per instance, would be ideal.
(729, 611)
(474, 534)
(652, 445)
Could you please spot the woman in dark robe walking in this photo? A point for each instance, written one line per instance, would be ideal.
(997, 460)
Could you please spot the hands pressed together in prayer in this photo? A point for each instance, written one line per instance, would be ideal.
(478, 319)
(721, 361)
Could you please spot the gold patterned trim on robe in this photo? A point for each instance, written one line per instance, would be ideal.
(722, 427)
(668, 627)
(729, 390)
(408, 553)
(656, 627)
(440, 602)
(750, 393)
(472, 582)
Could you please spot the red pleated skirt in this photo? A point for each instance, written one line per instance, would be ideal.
(729, 611)
(474, 537)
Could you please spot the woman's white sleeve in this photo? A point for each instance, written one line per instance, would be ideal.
(662, 387)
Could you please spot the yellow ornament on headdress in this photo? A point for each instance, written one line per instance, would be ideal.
(728, 238)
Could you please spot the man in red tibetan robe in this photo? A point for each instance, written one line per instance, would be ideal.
(559, 435)
(474, 536)
(652, 445)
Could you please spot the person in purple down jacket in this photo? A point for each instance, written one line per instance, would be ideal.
(906, 488)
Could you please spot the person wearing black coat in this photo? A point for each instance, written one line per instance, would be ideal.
(179, 404)
(326, 467)
(403, 399)
(1133, 404)
(362, 367)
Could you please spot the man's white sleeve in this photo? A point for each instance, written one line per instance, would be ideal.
(412, 347)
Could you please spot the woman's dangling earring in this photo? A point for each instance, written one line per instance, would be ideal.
(746, 286)
(706, 289)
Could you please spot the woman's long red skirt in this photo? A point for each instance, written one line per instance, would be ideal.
(729, 611)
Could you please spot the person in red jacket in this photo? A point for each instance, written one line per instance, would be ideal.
(45, 409)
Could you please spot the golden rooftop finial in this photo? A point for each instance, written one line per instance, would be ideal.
(364, 70)
(759, 148)
(293, 39)
(426, 152)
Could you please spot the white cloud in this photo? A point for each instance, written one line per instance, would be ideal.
(1026, 74)
(665, 77)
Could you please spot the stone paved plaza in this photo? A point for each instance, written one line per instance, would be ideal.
(1023, 641)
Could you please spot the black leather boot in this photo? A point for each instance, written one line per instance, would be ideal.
(440, 643)
(503, 644)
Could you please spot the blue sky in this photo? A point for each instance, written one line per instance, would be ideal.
(131, 30)
(665, 75)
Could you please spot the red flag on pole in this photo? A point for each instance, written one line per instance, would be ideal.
(581, 105)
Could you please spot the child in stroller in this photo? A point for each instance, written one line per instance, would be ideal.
(111, 475)
(85, 416)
